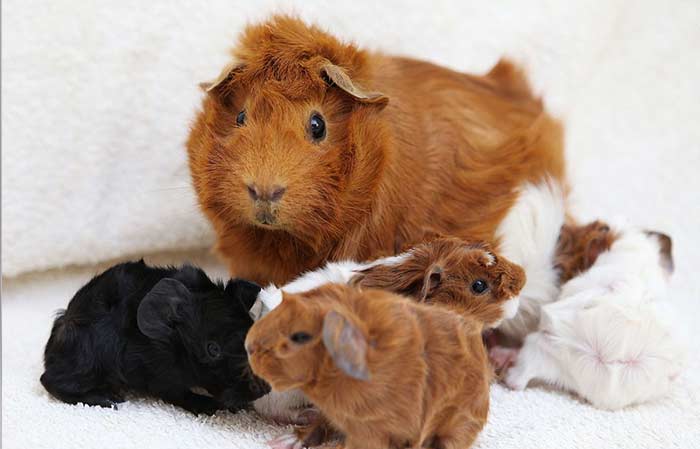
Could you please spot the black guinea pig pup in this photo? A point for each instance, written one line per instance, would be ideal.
(156, 331)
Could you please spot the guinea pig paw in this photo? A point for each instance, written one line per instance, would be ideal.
(306, 416)
(516, 378)
(502, 358)
(286, 441)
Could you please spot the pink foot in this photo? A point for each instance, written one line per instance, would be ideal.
(503, 358)
(286, 441)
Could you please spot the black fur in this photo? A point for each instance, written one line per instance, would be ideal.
(154, 331)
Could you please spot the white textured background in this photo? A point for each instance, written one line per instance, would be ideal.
(96, 102)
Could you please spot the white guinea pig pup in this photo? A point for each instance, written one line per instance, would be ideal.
(608, 337)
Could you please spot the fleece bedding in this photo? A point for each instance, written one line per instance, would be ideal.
(96, 102)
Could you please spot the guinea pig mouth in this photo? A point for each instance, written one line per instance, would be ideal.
(265, 215)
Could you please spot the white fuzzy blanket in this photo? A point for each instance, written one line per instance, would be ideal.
(96, 100)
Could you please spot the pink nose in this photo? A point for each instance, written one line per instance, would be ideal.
(271, 194)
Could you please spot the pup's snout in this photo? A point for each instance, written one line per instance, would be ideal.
(251, 347)
(269, 194)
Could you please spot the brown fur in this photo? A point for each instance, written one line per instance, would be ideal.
(428, 378)
(409, 144)
(579, 246)
(442, 271)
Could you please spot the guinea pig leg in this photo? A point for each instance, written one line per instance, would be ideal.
(286, 441)
(456, 430)
(318, 432)
(535, 361)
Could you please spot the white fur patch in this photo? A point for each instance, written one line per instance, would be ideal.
(528, 236)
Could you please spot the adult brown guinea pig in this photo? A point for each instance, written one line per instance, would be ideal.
(385, 370)
(308, 149)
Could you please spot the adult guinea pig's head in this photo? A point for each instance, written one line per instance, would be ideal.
(291, 346)
(203, 325)
(287, 138)
(469, 278)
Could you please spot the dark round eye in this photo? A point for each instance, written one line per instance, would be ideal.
(240, 118)
(479, 286)
(317, 127)
(213, 350)
(300, 337)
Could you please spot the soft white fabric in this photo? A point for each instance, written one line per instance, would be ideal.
(96, 99)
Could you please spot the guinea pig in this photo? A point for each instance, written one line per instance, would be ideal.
(609, 336)
(157, 331)
(385, 370)
(309, 150)
(469, 278)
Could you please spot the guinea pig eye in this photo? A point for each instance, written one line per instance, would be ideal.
(479, 286)
(213, 350)
(317, 127)
(240, 118)
(300, 337)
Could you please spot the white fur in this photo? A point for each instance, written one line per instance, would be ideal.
(528, 236)
(608, 336)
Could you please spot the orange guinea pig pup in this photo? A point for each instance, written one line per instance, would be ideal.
(383, 369)
(469, 278)
(309, 150)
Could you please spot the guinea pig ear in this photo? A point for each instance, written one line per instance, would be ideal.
(336, 76)
(665, 249)
(432, 280)
(242, 291)
(226, 72)
(162, 308)
(346, 345)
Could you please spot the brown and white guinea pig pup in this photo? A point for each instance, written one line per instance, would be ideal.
(308, 149)
(385, 370)
(470, 279)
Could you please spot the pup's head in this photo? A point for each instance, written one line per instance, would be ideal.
(469, 278)
(290, 127)
(290, 346)
(579, 246)
(206, 324)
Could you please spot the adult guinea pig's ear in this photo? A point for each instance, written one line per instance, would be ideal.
(336, 76)
(227, 72)
(162, 308)
(242, 291)
(346, 345)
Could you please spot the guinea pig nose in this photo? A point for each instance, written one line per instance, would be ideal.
(250, 348)
(272, 194)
